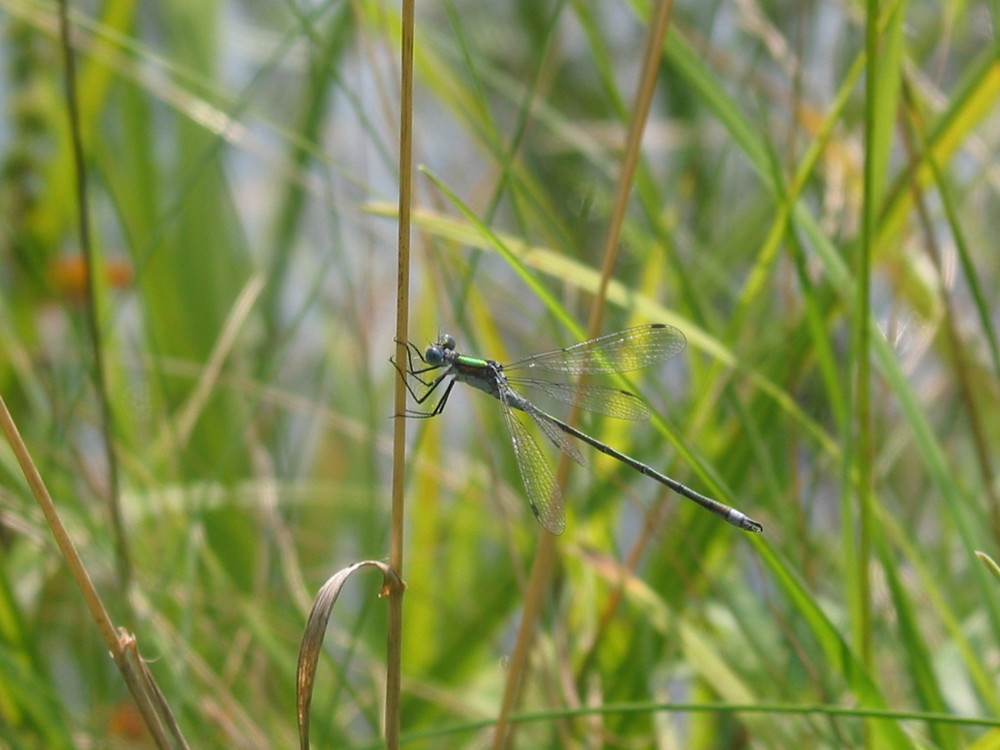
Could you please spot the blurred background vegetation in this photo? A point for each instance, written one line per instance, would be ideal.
(242, 183)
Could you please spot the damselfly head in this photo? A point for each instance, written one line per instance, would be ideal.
(434, 354)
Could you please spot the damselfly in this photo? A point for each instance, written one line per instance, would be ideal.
(624, 351)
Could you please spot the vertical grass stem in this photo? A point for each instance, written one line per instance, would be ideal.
(395, 626)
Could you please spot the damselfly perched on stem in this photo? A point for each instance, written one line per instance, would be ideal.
(624, 351)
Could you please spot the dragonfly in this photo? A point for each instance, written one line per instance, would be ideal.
(624, 351)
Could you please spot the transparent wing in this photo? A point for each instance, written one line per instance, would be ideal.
(624, 351)
(600, 399)
(543, 492)
(560, 439)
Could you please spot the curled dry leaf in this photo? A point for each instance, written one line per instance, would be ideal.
(312, 637)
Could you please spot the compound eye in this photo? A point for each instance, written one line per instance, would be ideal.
(433, 355)
(447, 341)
